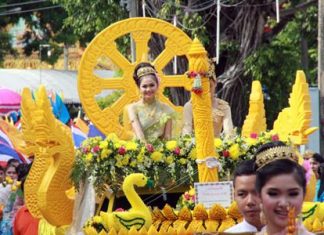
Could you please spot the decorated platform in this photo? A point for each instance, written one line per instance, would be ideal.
(65, 184)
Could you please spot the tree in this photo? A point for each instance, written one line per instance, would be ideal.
(246, 26)
(44, 25)
(321, 64)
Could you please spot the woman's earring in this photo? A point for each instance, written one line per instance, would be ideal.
(262, 216)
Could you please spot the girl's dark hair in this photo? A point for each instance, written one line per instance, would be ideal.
(23, 170)
(142, 65)
(278, 167)
(12, 161)
(321, 177)
(318, 158)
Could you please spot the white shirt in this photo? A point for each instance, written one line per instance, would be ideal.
(243, 227)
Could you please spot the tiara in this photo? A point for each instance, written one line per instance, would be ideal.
(145, 71)
(274, 154)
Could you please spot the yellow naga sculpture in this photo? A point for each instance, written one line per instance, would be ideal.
(53, 149)
(255, 121)
(139, 216)
(294, 122)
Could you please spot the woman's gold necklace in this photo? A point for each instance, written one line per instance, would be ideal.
(150, 112)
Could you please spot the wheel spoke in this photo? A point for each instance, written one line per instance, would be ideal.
(118, 106)
(141, 39)
(116, 57)
(174, 80)
(163, 59)
(100, 84)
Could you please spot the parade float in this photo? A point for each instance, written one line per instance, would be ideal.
(106, 167)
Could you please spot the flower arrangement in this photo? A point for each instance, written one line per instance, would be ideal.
(169, 163)
(187, 199)
(196, 86)
(108, 161)
(233, 150)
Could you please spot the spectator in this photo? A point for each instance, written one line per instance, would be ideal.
(11, 171)
(2, 174)
(13, 162)
(247, 199)
(315, 162)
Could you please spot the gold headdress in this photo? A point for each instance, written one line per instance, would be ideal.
(211, 70)
(145, 71)
(274, 154)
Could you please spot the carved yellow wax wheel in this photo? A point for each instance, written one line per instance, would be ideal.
(104, 44)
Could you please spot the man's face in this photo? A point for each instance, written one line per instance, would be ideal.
(247, 199)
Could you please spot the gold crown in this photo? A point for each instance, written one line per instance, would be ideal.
(145, 71)
(274, 154)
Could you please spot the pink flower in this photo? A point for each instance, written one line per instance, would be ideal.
(85, 150)
(95, 149)
(253, 135)
(308, 169)
(226, 153)
(122, 150)
(119, 209)
(275, 137)
(150, 148)
(186, 196)
(176, 151)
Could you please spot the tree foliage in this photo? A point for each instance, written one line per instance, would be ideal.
(276, 62)
(43, 25)
(87, 18)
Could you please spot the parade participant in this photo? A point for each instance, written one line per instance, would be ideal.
(2, 174)
(315, 160)
(24, 223)
(11, 171)
(13, 162)
(246, 198)
(221, 111)
(281, 185)
(319, 192)
(150, 119)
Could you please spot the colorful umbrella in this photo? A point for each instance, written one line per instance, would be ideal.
(9, 101)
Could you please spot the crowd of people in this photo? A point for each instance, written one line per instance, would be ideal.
(12, 180)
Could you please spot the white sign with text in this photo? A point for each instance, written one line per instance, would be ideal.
(216, 192)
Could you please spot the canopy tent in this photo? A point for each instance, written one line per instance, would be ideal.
(59, 81)
(9, 101)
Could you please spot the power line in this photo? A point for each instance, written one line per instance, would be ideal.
(22, 3)
(211, 14)
(30, 10)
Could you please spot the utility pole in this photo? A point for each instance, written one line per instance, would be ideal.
(321, 68)
(66, 56)
(132, 7)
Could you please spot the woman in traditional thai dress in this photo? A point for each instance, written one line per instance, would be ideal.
(150, 118)
(221, 111)
(281, 185)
